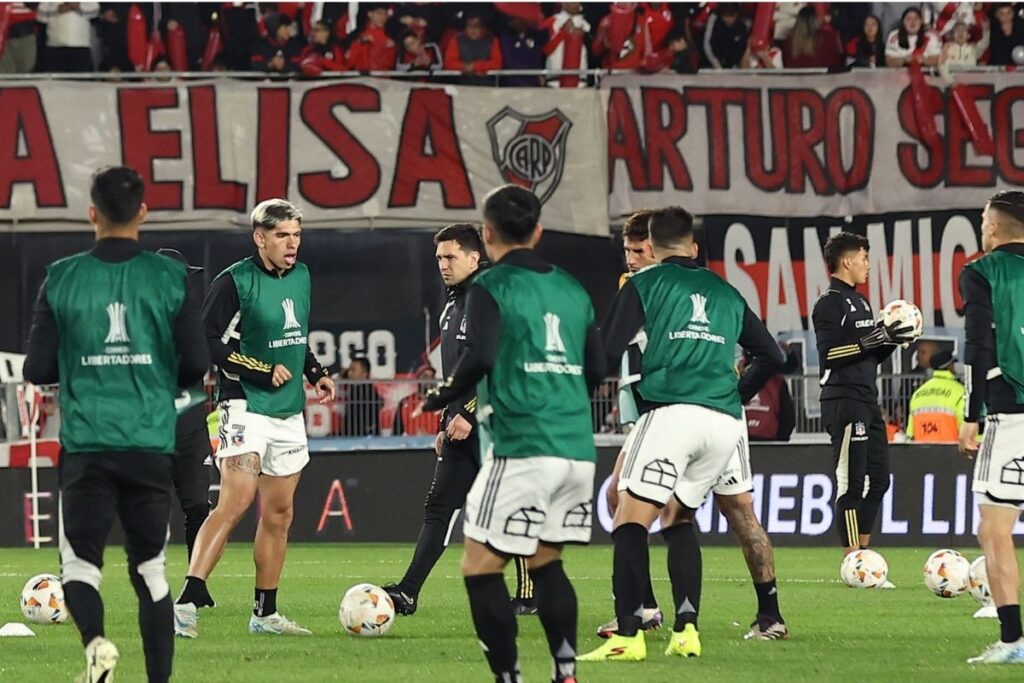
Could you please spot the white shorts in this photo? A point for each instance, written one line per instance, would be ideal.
(999, 467)
(679, 450)
(515, 503)
(737, 477)
(280, 442)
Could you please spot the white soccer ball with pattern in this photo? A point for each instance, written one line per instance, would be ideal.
(42, 600)
(947, 573)
(907, 314)
(864, 569)
(366, 610)
(980, 590)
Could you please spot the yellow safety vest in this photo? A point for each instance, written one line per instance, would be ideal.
(937, 409)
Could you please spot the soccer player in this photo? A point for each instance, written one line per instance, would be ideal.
(257, 319)
(688, 322)
(993, 293)
(192, 439)
(732, 493)
(534, 350)
(459, 251)
(850, 347)
(118, 328)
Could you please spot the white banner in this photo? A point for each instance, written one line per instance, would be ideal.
(808, 145)
(366, 152)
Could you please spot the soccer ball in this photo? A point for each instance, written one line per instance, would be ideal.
(366, 610)
(864, 569)
(947, 573)
(906, 314)
(980, 590)
(42, 600)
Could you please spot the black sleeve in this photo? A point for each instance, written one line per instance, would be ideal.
(219, 310)
(979, 349)
(833, 351)
(189, 337)
(767, 356)
(483, 335)
(624, 319)
(313, 370)
(787, 413)
(397, 429)
(41, 366)
(595, 367)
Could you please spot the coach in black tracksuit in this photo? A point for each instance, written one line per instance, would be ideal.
(850, 347)
(459, 255)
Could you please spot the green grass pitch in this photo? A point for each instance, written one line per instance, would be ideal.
(839, 634)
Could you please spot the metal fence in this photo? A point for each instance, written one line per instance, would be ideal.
(389, 408)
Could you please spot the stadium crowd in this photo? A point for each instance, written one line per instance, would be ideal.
(307, 39)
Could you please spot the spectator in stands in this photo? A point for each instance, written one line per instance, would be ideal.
(620, 41)
(68, 35)
(771, 414)
(373, 49)
(522, 47)
(19, 52)
(473, 52)
(362, 403)
(112, 31)
(684, 58)
(868, 48)
(1007, 33)
(566, 48)
(323, 53)
(279, 52)
(812, 43)
(725, 38)
(960, 51)
(428, 20)
(161, 65)
(911, 37)
(937, 407)
(417, 55)
(241, 33)
(192, 19)
(425, 424)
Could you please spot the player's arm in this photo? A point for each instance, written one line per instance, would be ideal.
(483, 335)
(833, 350)
(220, 309)
(624, 319)
(595, 367)
(767, 358)
(979, 349)
(313, 371)
(190, 338)
(41, 365)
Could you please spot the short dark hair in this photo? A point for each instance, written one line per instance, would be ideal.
(464, 234)
(270, 212)
(1010, 203)
(513, 211)
(360, 360)
(670, 226)
(117, 193)
(636, 227)
(843, 243)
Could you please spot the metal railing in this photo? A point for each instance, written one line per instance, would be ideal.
(388, 408)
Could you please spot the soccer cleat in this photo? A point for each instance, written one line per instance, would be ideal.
(276, 624)
(186, 621)
(405, 604)
(767, 628)
(888, 585)
(988, 611)
(653, 619)
(685, 643)
(1001, 653)
(524, 606)
(100, 660)
(618, 649)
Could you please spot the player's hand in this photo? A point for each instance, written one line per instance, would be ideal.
(897, 334)
(281, 375)
(325, 389)
(459, 428)
(969, 439)
(438, 442)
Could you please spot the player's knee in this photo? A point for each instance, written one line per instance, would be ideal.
(196, 514)
(278, 519)
(153, 573)
(877, 488)
(77, 569)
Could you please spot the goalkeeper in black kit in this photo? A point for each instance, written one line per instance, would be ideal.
(850, 347)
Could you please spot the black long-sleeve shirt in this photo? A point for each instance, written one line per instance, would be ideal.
(980, 357)
(625, 319)
(42, 362)
(484, 328)
(454, 327)
(223, 324)
(842, 317)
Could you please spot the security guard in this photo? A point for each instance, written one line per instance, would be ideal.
(937, 407)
